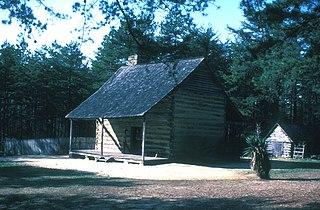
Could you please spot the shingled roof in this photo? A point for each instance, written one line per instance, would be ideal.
(134, 90)
(296, 133)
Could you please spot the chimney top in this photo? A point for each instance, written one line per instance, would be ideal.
(132, 60)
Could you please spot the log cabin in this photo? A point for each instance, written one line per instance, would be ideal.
(283, 140)
(170, 110)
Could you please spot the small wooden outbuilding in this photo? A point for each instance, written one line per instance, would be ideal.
(171, 109)
(281, 139)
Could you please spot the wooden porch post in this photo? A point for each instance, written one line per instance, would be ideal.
(102, 121)
(70, 138)
(143, 139)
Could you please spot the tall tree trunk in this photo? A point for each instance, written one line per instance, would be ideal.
(294, 97)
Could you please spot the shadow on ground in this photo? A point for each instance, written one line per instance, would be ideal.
(16, 175)
(110, 201)
(284, 164)
(26, 187)
(245, 163)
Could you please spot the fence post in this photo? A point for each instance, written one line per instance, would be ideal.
(70, 139)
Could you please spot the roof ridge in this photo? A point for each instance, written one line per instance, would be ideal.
(134, 90)
(166, 61)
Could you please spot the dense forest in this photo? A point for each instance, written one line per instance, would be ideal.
(270, 68)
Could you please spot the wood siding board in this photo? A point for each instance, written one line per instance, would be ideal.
(194, 111)
(278, 135)
(159, 128)
(157, 131)
(199, 115)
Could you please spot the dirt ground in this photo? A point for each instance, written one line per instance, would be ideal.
(167, 171)
(61, 183)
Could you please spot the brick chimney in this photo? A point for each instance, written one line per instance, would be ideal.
(132, 60)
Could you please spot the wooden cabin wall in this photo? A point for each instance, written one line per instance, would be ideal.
(159, 128)
(279, 149)
(278, 143)
(199, 116)
(234, 144)
(117, 133)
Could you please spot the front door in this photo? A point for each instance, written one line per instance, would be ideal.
(278, 149)
(136, 140)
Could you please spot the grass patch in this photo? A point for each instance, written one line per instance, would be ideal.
(292, 169)
(300, 160)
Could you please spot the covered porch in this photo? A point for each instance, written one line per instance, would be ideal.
(123, 154)
(115, 157)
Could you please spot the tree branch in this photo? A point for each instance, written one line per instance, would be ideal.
(128, 24)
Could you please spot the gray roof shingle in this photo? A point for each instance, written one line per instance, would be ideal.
(133, 90)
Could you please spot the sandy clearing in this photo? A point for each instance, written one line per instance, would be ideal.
(168, 171)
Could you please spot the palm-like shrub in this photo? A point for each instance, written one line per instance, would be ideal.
(257, 150)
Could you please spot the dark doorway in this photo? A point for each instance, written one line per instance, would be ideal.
(136, 140)
(2, 144)
(278, 149)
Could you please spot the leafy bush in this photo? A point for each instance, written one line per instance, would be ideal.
(257, 150)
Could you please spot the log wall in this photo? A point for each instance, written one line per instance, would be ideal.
(159, 128)
(188, 121)
(117, 132)
(199, 116)
(279, 144)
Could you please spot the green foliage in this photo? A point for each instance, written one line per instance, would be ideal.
(257, 150)
(173, 38)
(39, 89)
(275, 68)
(271, 70)
(112, 10)
(23, 13)
(255, 144)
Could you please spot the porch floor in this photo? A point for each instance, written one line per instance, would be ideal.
(115, 157)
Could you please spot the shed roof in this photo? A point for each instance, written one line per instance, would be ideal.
(296, 133)
(134, 90)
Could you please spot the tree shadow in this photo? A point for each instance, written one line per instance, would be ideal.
(245, 163)
(17, 175)
(296, 179)
(28, 187)
(212, 163)
(110, 201)
(287, 164)
(286, 170)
